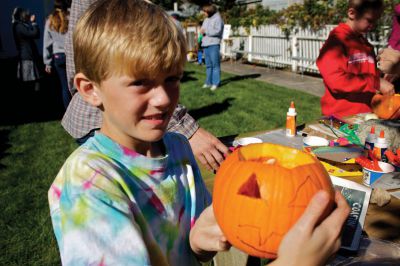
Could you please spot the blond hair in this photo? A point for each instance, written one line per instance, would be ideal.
(58, 21)
(131, 37)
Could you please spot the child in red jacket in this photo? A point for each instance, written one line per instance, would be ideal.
(347, 63)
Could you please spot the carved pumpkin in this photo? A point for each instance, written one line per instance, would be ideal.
(261, 190)
(386, 107)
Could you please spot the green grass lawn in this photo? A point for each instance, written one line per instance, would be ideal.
(31, 154)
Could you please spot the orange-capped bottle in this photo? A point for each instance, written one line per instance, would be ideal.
(380, 147)
(370, 140)
(291, 121)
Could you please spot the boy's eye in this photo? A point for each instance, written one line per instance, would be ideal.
(173, 79)
(142, 83)
(137, 83)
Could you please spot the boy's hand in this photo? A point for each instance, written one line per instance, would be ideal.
(208, 149)
(309, 241)
(386, 87)
(206, 238)
(389, 61)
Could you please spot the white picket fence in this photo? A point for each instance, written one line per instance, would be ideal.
(270, 46)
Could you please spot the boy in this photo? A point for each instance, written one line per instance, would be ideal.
(81, 119)
(347, 63)
(133, 194)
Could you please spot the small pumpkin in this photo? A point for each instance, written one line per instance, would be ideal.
(261, 190)
(386, 106)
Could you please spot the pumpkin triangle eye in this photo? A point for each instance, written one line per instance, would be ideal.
(250, 188)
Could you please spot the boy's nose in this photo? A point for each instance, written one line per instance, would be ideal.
(160, 97)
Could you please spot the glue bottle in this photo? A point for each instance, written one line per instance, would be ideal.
(370, 140)
(380, 147)
(291, 121)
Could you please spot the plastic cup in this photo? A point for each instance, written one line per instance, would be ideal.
(314, 141)
(246, 141)
(370, 176)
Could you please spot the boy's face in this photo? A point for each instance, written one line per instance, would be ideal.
(137, 110)
(365, 22)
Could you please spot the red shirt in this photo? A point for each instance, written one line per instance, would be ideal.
(347, 65)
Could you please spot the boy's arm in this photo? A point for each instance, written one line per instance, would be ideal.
(96, 224)
(332, 64)
(206, 237)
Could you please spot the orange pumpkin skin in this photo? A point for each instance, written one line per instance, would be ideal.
(386, 106)
(256, 203)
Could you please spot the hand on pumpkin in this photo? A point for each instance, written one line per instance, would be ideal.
(206, 237)
(386, 87)
(208, 149)
(310, 241)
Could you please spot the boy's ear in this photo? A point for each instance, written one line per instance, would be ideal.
(87, 89)
(351, 13)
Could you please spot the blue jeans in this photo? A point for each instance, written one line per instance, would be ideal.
(200, 56)
(213, 65)
(60, 66)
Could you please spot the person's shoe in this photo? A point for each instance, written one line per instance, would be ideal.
(213, 87)
(206, 86)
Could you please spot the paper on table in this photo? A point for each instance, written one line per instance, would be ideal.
(395, 194)
(358, 198)
(388, 181)
(279, 137)
(342, 169)
(338, 153)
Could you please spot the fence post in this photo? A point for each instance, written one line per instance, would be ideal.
(294, 53)
(250, 43)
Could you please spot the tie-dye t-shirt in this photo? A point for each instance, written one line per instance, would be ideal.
(112, 206)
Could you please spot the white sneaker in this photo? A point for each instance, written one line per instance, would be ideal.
(206, 86)
(213, 87)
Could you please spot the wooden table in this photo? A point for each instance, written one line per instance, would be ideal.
(381, 222)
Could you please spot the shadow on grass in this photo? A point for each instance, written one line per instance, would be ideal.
(212, 109)
(20, 104)
(188, 76)
(237, 78)
(3, 145)
(228, 140)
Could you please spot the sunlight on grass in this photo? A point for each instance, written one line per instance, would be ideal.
(243, 105)
(32, 154)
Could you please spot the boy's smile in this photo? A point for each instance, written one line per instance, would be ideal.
(136, 111)
(156, 119)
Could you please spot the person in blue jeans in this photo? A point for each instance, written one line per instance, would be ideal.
(53, 46)
(212, 30)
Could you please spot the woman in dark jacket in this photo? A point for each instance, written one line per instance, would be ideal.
(25, 32)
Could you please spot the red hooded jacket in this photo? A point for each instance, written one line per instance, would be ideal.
(347, 65)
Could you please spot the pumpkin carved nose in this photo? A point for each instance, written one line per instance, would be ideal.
(250, 188)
